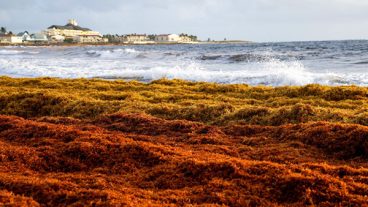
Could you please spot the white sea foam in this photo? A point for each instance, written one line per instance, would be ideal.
(113, 53)
(17, 52)
(276, 74)
(128, 50)
(151, 64)
(10, 52)
(272, 73)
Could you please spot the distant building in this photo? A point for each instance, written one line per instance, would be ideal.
(115, 38)
(130, 39)
(89, 39)
(10, 39)
(25, 36)
(135, 38)
(39, 38)
(57, 38)
(31, 38)
(167, 38)
(185, 39)
(73, 32)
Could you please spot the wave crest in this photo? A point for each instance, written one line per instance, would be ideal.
(114, 53)
(17, 52)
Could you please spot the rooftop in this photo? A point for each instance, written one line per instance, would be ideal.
(22, 33)
(136, 35)
(165, 34)
(89, 35)
(72, 25)
(6, 35)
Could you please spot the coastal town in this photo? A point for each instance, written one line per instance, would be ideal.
(72, 33)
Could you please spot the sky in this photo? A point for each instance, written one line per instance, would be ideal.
(254, 20)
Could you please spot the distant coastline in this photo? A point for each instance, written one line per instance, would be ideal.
(122, 44)
(72, 34)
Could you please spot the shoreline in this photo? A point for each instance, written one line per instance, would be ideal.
(120, 44)
(297, 94)
(138, 80)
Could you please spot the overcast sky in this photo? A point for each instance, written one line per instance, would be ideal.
(256, 20)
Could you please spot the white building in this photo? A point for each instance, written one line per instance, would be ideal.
(10, 39)
(57, 38)
(130, 39)
(25, 36)
(167, 38)
(39, 37)
(89, 39)
(136, 38)
(69, 31)
(185, 39)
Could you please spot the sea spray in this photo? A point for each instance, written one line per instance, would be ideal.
(274, 64)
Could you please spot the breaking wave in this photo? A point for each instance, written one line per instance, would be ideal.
(113, 53)
(274, 73)
(16, 52)
(249, 57)
(245, 57)
(274, 65)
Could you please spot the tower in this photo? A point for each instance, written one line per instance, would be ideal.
(73, 22)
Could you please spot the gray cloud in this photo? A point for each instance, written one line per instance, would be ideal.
(258, 20)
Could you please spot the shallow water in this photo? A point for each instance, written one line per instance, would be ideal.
(275, 64)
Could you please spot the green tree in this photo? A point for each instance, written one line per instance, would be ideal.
(109, 37)
(3, 30)
(151, 37)
(68, 40)
(193, 38)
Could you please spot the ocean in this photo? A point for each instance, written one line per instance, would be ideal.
(272, 64)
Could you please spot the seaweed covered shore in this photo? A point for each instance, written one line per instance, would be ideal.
(83, 142)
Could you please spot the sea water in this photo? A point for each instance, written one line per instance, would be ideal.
(274, 64)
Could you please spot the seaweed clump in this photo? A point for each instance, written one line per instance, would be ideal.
(209, 103)
(136, 159)
(89, 142)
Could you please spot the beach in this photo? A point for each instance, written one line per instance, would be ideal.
(175, 142)
(205, 103)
